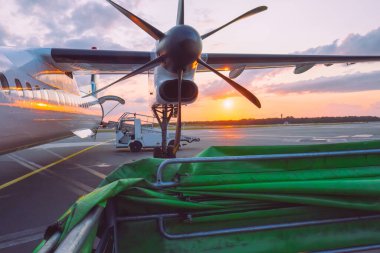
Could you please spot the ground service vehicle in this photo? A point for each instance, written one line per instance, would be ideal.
(137, 131)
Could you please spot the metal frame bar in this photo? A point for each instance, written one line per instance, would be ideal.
(353, 249)
(160, 218)
(159, 174)
(146, 217)
(75, 239)
(161, 225)
(104, 240)
(78, 235)
(112, 212)
(50, 244)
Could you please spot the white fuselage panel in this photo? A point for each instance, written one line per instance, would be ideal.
(34, 111)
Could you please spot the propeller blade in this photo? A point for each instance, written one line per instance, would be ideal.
(245, 15)
(148, 28)
(246, 93)
(181, 12)
(145, 67)
(179, 114)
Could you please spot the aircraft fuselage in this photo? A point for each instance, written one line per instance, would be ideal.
(39, 104)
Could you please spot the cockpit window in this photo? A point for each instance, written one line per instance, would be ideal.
(4, 82)
(28, 86)
(18, 84)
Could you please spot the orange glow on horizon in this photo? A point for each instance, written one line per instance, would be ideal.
(366, 103)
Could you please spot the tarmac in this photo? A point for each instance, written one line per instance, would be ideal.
(38, 184)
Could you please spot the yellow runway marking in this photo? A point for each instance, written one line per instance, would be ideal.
(14, 181)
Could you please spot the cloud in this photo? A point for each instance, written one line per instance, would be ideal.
(216, 89)
(80, 24)
(92, 16)
(87, 42)
(355, 44)
(352, 44)
(347, 83)
(139, 100)
(368, 44)
(3, 34)
(7, 38)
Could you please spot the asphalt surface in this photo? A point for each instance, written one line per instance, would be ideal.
(37, 185)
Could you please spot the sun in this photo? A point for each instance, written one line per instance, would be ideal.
(228, 103)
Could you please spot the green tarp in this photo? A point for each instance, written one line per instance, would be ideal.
(240, 194)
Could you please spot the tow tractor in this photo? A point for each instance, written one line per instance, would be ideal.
(138, 131)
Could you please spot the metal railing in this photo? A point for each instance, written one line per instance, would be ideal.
(77, 236)
(74, 241)
(159, 174)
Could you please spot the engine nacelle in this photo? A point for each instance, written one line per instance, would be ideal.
(166, 87)
(168, 91)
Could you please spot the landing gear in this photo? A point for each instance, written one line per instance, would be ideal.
(163, 114)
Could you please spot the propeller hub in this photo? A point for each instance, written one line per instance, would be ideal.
(182, 45)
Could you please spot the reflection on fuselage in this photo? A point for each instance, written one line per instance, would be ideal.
(50, 100)
(32, 116)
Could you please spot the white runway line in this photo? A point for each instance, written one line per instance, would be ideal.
(21, 237)
(77, 187)
(362, 136)
(49, 166)
(69, 145)
(103, 165)
(16, 159)
(85, 168)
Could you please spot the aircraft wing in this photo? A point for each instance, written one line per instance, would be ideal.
(121, 62)
(238, 62)
(83, 61)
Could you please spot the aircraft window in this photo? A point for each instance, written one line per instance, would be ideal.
(4, 82)
(28, 86)
(28, 92)
(18, 84)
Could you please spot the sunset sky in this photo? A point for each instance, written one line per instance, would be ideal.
(288, 26)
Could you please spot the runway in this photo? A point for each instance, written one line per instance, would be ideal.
(38, 184)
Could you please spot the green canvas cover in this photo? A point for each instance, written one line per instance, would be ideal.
(239, 194)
